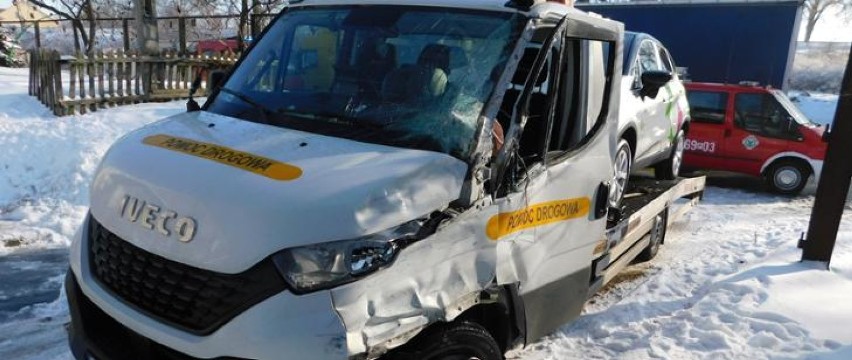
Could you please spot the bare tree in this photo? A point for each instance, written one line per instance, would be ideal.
(147, 34)
(815, 9)
(247, 8)
(75, 11)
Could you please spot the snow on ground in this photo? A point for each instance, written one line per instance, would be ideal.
(727, 284)
(47, 162)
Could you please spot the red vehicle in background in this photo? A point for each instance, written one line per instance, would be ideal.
(753, 130)
(213, 46)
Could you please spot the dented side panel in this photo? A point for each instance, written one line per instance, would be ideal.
(541, 237)
(432, 280)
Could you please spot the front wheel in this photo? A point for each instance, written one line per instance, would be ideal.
(787, 177)
(453, 341)
(670, 168)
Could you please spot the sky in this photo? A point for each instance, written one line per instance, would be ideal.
(831, 28)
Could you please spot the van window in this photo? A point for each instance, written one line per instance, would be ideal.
(761, 114)
(582, 95)
(533, 137)
(532, 142)
(708, 107)
(410, 77)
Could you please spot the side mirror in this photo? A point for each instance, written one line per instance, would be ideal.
(215, 80)
(652, 81)
(191, 104)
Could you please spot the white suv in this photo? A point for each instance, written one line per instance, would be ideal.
(654, 115)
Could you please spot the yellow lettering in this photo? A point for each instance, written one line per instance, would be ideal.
(220, 154)
(536, 215)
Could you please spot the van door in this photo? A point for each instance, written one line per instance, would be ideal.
(761, 129)
(705, 144)
(556, 160)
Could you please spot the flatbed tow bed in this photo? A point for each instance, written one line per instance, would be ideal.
(649, 207)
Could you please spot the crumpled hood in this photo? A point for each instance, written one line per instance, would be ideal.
(340, 189)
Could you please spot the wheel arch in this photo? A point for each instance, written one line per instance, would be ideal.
(631, 136)
(501, 314)
(788, 156)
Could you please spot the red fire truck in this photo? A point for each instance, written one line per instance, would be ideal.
(753, 130)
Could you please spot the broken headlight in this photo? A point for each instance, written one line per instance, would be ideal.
(322, 266)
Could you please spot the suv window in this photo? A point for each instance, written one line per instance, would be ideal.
(707, 107)
(666, 59)
(648, 57)
(763, 115)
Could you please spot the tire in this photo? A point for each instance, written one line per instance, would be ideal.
(787, 177)
(452, 341)
(622, 165)
(669, 168)
(658, 237)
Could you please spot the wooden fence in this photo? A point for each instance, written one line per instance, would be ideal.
(80, 84)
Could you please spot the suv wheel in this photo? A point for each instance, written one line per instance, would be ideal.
(787, 177)
(621, 166)
(670, 168)
(453, 341)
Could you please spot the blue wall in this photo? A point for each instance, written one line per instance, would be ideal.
(718, 42)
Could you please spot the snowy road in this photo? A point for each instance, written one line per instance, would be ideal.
(727, 284)
(710, 292)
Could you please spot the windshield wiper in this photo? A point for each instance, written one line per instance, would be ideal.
(331, 117)
(264, 111)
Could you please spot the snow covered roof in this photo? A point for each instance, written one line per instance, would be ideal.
(540, 8)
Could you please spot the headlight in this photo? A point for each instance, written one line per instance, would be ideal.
(322, 266)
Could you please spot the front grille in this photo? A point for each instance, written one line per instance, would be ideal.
(195, 300)
(93, 334)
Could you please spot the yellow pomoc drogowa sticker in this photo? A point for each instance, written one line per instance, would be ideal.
(536, 215)
(223, 155)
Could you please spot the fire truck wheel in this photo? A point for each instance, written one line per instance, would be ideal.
(787, 177)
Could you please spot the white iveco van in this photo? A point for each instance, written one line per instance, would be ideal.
(346, 193)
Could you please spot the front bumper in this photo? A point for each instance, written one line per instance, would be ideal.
(94, 333)
(282, 326)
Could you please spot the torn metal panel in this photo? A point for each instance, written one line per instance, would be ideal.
(435, 279)
(483, 152)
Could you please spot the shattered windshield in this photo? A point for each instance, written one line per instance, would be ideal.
(413, 77)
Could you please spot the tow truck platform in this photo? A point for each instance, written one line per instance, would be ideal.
(649, 207)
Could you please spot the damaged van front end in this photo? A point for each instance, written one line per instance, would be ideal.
(336, 197)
